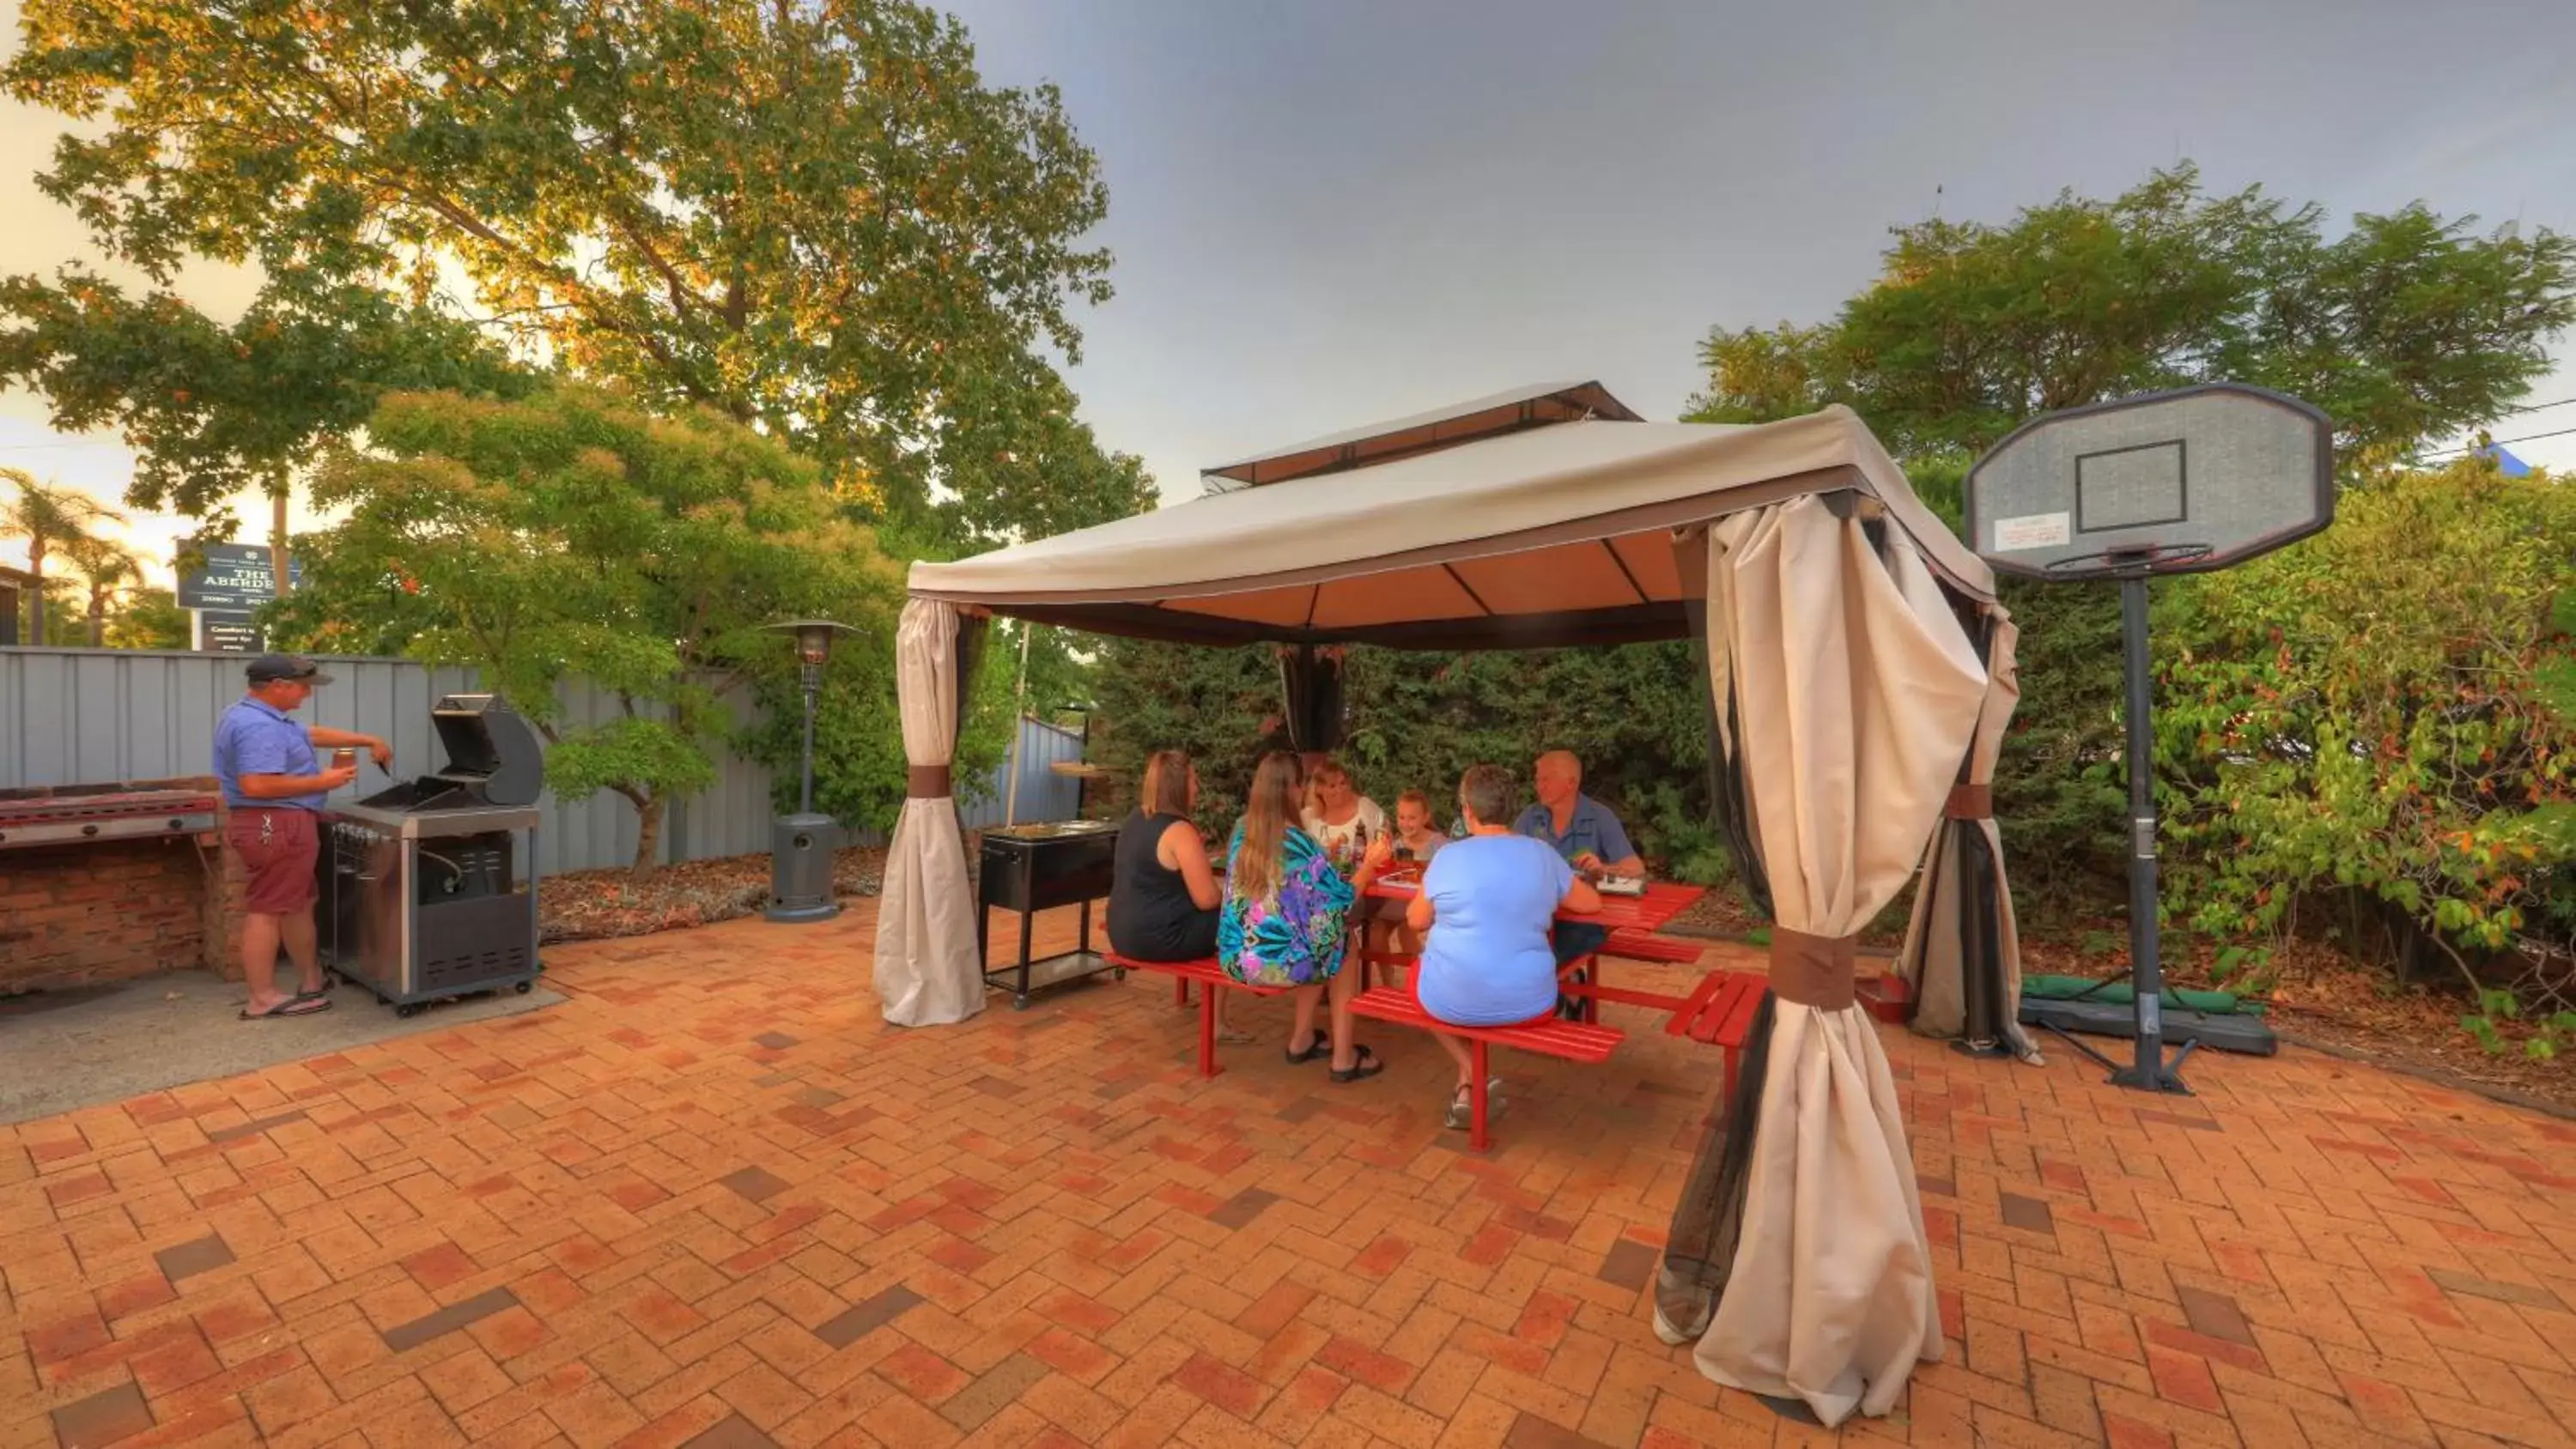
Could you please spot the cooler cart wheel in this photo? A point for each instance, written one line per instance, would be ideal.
(522, 987)
(408, 1009)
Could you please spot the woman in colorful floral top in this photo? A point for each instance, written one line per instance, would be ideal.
(1286, 916)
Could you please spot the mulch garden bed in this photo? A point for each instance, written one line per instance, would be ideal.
(590, 905)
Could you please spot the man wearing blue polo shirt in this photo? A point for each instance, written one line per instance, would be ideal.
(273, 783)
(1589, 837)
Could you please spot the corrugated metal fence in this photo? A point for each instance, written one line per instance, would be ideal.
(1044, 794)
(96, 716)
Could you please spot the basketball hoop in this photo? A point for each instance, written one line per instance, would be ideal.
(2091, 494)
(2135, 560)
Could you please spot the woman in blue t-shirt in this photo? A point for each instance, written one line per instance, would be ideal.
(1488, 901)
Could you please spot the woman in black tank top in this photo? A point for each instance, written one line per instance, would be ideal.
(1163, 892)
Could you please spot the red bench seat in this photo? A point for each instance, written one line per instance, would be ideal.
(1212, 979)
(1574, 1041)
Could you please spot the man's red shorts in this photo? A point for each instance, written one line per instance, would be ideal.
(278, 847)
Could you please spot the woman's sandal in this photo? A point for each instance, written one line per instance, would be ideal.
(1320, 1046)
(1364, 1063)
(1462, 1105)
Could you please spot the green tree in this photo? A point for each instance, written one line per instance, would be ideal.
(859, 764)
(2405, 328)
(812, 215)
(213, 409)
(106, 568)
(148, 618)
(51, 518)
(571, 536)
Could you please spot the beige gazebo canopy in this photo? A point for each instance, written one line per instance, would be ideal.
(1535, 536)
(1848, 637)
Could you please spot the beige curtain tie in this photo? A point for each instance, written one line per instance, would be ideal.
(927, 782)
(1817, 971)
(1970, 802)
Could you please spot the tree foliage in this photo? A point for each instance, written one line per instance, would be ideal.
(2408, 326)
(812, 215)
(106, 568)
(214, 409)
(53, 520)
(148, 618)
(2389, 708)
(859, 765)
(570, 536)
(1634, 715)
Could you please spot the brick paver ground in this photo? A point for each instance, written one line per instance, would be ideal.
(713, 1200)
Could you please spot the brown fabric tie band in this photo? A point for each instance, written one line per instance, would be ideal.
(927, 782)
(1815, 971)
(1971, 802)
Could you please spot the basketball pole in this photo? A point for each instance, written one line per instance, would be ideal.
(2146, 970)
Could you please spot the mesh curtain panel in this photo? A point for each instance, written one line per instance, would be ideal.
(1844, 694)
(1962, 955)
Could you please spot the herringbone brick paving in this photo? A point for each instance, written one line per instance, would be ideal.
(713, 1200)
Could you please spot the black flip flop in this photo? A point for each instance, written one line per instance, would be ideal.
(291, 1006)
(1364, 1064)
(1320, 1046)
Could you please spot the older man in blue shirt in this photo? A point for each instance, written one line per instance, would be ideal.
(1589, 837)
(274, 783)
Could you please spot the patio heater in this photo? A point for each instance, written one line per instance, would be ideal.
(801, 845)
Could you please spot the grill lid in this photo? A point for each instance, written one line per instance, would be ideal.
(491, 750)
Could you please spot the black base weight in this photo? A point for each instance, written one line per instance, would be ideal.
(2168, 1082)
(2168, 1074)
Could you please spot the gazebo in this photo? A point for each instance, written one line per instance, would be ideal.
(1859, 670)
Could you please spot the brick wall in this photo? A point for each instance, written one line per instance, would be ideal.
(81, 915)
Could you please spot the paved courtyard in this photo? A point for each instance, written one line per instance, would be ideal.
(712, 1199)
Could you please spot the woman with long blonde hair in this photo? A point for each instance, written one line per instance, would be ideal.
(1286, 915)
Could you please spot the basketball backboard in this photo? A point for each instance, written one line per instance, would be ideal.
(2172, 482)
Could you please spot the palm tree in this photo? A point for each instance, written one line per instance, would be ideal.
(48, 516)
(106, 567)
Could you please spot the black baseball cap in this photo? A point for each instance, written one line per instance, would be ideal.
(270, 668)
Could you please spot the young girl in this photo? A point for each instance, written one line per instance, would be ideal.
(1285, 915)
(1415, 843)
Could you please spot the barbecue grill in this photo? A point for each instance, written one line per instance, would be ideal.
(429, 888)
(1031, 868)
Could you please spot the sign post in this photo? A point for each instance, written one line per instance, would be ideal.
(230, 581)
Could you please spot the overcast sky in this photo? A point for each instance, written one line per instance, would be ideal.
(1332, 211)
